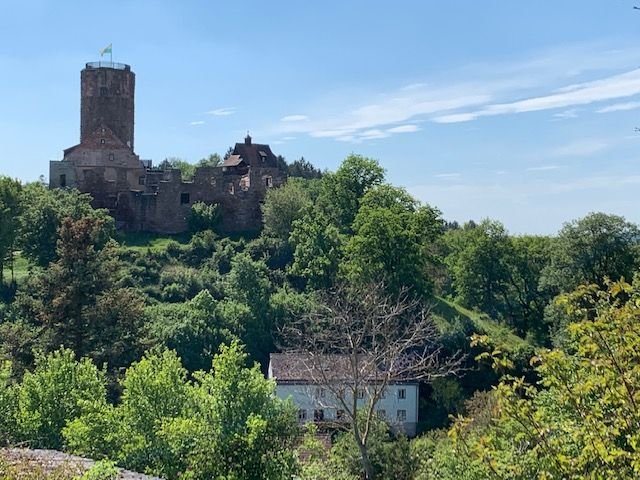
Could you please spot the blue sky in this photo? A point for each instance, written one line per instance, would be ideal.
(519, 111)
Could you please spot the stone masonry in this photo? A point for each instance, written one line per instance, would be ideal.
(146, 199)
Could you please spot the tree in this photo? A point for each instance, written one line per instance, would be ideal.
(591, 249)
(283, 206)
(213, 160)
(76, 301)
(53, 394)
(194, 329)
(10, 206)
(43, 212)
(360, 340)
(304, 169)
(392, 241)
(317, 249)
(341, 192)
(187, 170)
(203, 217)
(8, 405)
(581, 420)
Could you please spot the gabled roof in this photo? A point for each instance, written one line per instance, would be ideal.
(256, 154)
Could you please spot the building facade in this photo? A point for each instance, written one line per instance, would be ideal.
(316, 401)
(139, 196)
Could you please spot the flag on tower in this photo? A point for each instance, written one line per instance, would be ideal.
(106, 49)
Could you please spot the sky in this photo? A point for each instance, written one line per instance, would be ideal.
(523, 112)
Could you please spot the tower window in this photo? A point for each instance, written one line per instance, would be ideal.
(104, 91)
(185, 198)
(102, 142)
(111, 157)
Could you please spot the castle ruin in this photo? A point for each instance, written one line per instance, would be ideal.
(144, 198)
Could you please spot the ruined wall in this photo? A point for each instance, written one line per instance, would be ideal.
(107, 98)
(166, 205)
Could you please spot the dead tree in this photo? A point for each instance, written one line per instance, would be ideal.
(357, 343)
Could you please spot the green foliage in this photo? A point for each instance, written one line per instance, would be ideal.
(203, 217)
(282, 207)
(76, 300)
(194, 329)
(180, 283)
(187, 170)
(102, 470)
(583, 420)
(591, 249)
(303, 169)
(8, 406)
(391, 241)
(318, 248)
(53, 395)
(10, 206)
(225, 424)
(43, 212)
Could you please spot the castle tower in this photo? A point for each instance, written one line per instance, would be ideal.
(107, 98)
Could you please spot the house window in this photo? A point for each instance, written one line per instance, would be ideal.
(302, 415)
(231, 189)
(185, 198)
(402, 393)
(141, 181)
(268, 182)
(382, 413)
(320, 392)
(102, 142)
(318, 415)
(340, 414)
(63, 180)
(401, 416)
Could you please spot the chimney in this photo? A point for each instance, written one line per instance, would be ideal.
(247, 139)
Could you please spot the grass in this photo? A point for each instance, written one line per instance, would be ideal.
(153, 241)
(20, 269)
(446, 313)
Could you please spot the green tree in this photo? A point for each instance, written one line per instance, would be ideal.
(53, 395)
(283, 206)
(213, 160)
(8, 405)
(392, 241)
(342, 191)
(10, 206)
(203, 216)
(304, 169)
(236, 428)
(194, 329)
(581, 420)
(43, 212)
(77, 302)
(591, 249)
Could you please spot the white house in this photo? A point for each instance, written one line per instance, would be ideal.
(317, 401)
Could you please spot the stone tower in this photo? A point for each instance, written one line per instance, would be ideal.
(107, 98)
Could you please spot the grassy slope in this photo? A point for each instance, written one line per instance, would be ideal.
(447, 312)
(154, 242)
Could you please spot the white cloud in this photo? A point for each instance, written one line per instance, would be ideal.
(404, 129)
(294, 118)
(566, 115)
(581, 148)
(619, 107)
(608, 88)
(543, 168)
(222, 112)
(197, 122)
(448, 175)
(289, 138)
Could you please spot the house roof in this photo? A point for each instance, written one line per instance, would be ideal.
(307, 368)
(233, 161)
(256, 154)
